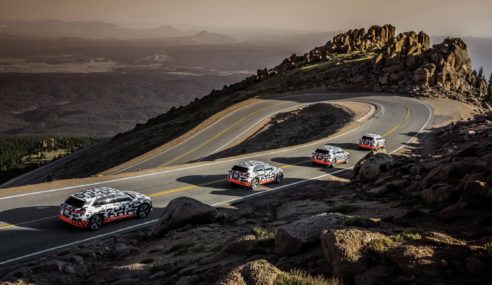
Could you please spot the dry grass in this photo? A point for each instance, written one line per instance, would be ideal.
(379, 246)
(359, 221)
(262, 234)
(488, 247)
(299, 277)
(406, 236)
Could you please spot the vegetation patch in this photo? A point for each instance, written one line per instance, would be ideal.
(406, 236)
(262, 234)
(22, 154)
(359, 221)
(488, 247)
(299, 277)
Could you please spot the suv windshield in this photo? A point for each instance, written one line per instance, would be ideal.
(75, 202)
(367, 138)
(323, 151)
(239, 168)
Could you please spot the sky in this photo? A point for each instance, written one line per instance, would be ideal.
(436, 17)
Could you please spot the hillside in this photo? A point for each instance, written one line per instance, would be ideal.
(377, 61)
(423, 218)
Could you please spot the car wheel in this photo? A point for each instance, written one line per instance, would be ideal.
(143, 211)
(254, 184)
(95, 222)
(279, 178)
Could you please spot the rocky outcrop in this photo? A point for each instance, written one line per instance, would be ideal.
(343, 249)
(381, 61)
(371, 166)
(415, 259)
(181, 211)
(291, 238)
(258, 272)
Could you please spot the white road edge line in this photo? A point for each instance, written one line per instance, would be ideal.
(216, 204)
(371, 111)
(189, 167)
(76, 242)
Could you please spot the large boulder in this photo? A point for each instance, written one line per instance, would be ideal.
(300, 209)
(415, 260)
(291, 238)
(343, 250)
(181, 211)
(257, 272)
(371, 166)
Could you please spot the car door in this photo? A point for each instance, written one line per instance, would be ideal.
(124, 206)
(103, 206)
(260, 173)
(269, 173)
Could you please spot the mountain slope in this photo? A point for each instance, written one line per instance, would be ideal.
(376, 60)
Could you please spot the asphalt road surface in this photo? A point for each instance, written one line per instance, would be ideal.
(28, 223)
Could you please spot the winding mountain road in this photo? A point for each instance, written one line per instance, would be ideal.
(28, 223)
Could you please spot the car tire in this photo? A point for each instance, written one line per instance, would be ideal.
(143, 210)
(95, 222)
(254, 184)
(279, 178)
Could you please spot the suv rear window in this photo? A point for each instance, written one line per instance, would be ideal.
(323, 151)
(75, 202)
(240, 168)
(367, 138)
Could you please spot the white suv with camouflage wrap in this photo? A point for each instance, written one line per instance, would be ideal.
(372, 141)
(93, 207)
(251, 173)
(330, 155)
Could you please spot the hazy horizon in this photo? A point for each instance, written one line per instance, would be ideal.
(456, 18)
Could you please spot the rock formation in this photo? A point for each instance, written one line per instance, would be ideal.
(381, 61)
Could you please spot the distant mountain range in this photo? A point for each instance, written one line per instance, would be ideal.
(102, 30)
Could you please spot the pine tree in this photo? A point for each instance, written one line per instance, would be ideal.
(489, 90)
(480, 72)
(490, 85)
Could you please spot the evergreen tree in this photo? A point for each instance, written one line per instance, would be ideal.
(490, 85)
(489, 90)
(480, 72)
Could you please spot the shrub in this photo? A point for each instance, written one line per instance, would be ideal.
(406, 235)
(262, 233)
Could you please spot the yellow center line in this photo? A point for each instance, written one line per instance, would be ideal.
(191, 187)
(212, 138)
(407, 115)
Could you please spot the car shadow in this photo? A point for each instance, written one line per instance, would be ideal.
(297, 161)
(346, 146)
(46, 220)
(211, 181)
(240, 191)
